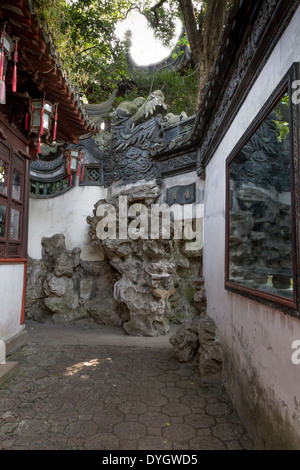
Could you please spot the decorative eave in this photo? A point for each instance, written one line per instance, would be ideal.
(178, 143)
(39, 59)
(51, 164)
(250, 35)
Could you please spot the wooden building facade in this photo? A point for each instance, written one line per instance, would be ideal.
(38, 105)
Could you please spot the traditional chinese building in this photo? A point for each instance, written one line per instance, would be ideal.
(246, 136)
(236, 161)
(38, 105)
(251, 224)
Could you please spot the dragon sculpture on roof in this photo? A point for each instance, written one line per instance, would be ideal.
(137, 128)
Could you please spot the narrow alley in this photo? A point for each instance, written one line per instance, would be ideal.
(96, 388)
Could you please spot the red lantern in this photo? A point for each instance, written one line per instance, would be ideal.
(72, 162)
(38, 121)
(14, 80)
(40, 117)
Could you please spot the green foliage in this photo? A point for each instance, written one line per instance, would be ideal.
(163, 19)
(84, 34)
(282, 118)
(94, 58)
(180, 90)
(179, 46)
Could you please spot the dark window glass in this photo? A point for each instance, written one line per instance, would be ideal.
(17, 186)
(2, 220)
(11, 203)
(260, 233)
(3, 177)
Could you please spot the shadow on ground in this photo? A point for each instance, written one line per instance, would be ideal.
(96, 388)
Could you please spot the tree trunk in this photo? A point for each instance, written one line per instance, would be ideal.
(204, 43)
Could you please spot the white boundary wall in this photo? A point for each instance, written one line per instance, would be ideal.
(65, 214)
(259, 374)
(12, 283)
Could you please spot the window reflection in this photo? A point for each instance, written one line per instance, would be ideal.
(15, 224)
(17, 188)
(260, 215)
(3, 176)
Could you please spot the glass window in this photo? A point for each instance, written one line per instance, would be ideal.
(260, 231)
(15, 224)
(17, 186)
(2, 220)
(3, 176)
(46, 121)
(37, 118)
(11, 203)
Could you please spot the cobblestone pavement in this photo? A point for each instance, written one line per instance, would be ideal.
(89, 393)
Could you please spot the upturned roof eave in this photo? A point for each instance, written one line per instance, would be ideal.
(39, 58)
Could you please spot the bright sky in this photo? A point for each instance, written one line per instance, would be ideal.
(145, 48)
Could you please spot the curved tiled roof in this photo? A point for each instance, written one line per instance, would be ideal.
(48, 165)
(178, 63)
(39, 59)
(52, 161)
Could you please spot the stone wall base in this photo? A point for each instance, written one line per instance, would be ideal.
(258, 410)
(7, 371)
(16, 342)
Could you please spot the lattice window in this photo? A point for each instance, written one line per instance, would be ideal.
(42, 189)
(93, 174)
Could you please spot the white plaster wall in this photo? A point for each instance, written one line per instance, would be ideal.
(188, 212)
(183, 180)
(11, 285)
(65, 214)
(257, 338)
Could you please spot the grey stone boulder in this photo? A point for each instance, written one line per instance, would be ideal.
(104, 311)
(185, 342)
(209, 353)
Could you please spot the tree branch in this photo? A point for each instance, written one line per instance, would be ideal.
(154, 9)
(193, 33)
(157, 5)
(87, 49)
(212, 29)
(134, 7)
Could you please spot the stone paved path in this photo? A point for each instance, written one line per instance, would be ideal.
(96, 389)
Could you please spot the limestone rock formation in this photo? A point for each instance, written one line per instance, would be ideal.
(210, 354)
(36, 275)
(156, 275)
(200, 296)
(63, 288)
(200, 337)
(186, 342)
